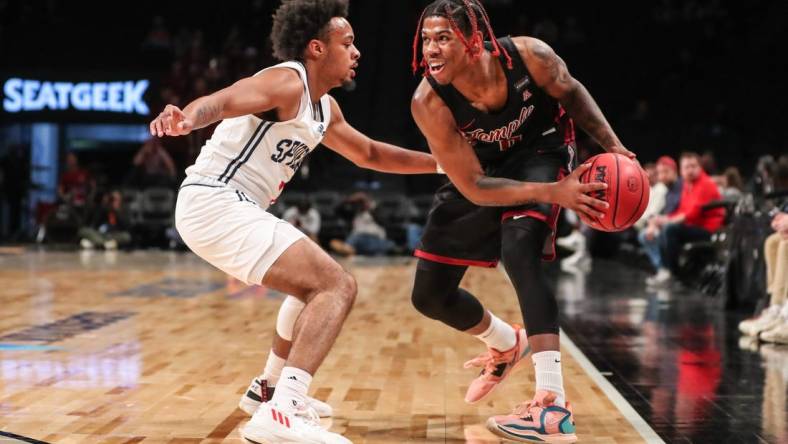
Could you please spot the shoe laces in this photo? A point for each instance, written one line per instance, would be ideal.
(489, 360)
(307, 414)
(524, 408)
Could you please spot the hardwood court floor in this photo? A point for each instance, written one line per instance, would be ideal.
(157, 348)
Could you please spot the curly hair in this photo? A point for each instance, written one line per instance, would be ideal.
(296, 22)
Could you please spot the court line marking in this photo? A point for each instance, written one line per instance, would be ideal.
(19, 438)
(15, 347)
(627, 411)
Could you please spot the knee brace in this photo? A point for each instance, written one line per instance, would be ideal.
(521, 253)
(436, 294)
(286, 319)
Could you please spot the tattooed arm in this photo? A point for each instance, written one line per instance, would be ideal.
(278, 89)
(551, 74)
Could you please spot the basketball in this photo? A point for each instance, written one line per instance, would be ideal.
(627, 190)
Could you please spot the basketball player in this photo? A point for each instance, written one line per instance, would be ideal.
(270, 122)
(498, 118)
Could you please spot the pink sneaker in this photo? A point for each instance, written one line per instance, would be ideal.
(497, 366)
(536, 421)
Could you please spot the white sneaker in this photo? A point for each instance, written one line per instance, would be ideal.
(575, 241)
(259, 391)
(768, 319)
(579, 261)
(662, 278)
(272, 424)
(111, 244)
(778, 335)
(86, 244)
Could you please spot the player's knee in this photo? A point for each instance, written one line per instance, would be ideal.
(429, 300)
(346, 288)
(435, 289)
(424, 303)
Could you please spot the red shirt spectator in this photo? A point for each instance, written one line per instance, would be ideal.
(75, 184)
(694, 195)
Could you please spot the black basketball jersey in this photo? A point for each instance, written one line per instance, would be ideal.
(529, 112)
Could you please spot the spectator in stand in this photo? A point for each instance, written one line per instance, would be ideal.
(731, 185)
(771, 325)
(158, 36)
(153, 165)
(762, 182)
(366, 238)
(781, 174)
(658, 191)
(76, 186)
(109, 227)
(304, 217)
(689, 222)
(666, 175)
(708, 162)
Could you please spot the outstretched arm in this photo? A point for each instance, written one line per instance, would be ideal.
(368, 153)
(274, 88)
(551, 74)
(458, 159)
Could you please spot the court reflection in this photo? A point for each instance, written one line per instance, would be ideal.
(674, 355)
(116, 366)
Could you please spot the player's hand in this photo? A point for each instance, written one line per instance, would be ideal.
(171, 122)
(621, 150)
(572, 194)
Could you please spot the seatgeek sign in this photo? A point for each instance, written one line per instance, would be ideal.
(25, 95)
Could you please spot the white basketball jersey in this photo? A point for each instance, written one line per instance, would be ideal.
(259, 157)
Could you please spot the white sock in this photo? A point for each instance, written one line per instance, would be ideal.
(273, 368)
(292, 387)
(500, 335)
(548, 374)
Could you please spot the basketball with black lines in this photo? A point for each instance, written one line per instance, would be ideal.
(627, 190)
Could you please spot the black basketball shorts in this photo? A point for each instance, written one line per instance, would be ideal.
(459, 232)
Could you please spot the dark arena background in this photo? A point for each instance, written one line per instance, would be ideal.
(112, 331)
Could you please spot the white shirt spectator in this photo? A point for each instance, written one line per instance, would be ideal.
(308, 223)
(364, 223)
(656, 203)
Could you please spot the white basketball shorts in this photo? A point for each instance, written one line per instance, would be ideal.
(230, 231)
